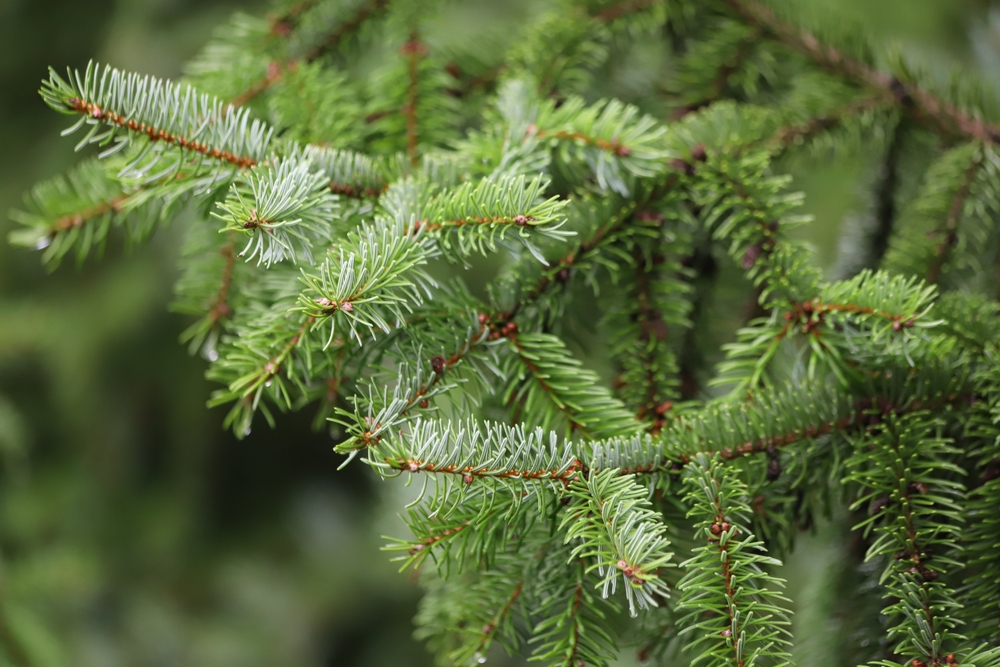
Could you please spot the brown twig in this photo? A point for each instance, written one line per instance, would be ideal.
(414, 51)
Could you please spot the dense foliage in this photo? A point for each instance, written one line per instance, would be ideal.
(351, 158)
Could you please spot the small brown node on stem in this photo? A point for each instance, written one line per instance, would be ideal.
(438, 365)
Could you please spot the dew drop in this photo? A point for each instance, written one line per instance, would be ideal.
(43, 243)
(267, 384)
(480, 658)
(212, 355)
(246, 432)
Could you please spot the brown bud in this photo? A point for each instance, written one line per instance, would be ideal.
(699, 153)
(716, 529)
(773, 469)
(423, 403)
(438, 364)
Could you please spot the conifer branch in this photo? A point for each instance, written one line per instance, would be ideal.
(790, 135)
(733, 611)
(616, 528)
(550, 382)
(367, 11)
(161, 111)
(275, 70)
(914, 510)
(948, 232)
(926, 108)
(571, 628)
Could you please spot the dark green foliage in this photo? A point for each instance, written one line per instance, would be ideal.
(328, 272)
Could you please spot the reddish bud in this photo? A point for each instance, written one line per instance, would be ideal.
(521, 219)
(467, 479)
(621, 565)
(413, 466)
(347, 307)
(438, 364)
(699, 153)
(896, 326)
(423, 403)
(727, 633)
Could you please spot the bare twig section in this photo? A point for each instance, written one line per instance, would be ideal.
(414, 50)
(615, 12)
(220, 309)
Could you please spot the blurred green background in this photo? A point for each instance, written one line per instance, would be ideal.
(134, 530)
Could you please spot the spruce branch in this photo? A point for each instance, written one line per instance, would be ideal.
(283, 207)
(913, 491)
(925, 107)
(732, 609)
(571, 627)
(352, 175)
(947, 235)
(546, 384)
(610, 524)
(212, 305)
(348, 25)
(165, 113)
(370, 281)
